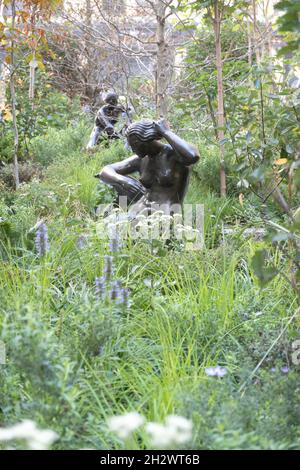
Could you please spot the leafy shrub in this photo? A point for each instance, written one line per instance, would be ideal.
(90, 326)
(264, 417)
(51, 110)
(207, 170)
(27, 171)
(6, 142)
(59, 143)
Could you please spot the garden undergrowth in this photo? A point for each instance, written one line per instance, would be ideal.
(74, 360)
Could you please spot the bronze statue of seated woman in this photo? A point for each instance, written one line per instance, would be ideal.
(163, 168)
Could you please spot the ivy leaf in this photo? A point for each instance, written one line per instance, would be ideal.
(264, 273)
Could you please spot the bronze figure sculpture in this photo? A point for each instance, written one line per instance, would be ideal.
(163, 167)
(105, 120)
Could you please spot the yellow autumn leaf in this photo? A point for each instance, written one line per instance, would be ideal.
(7, 116)
(281, 161)
(41, 66)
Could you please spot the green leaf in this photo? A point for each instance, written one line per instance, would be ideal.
(264, 273)
(257, 83)
(243, 183)
(281, 237)
(223, 141)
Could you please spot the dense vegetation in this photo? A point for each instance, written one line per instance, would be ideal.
(74, 357)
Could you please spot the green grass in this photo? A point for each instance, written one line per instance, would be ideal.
(73, 361)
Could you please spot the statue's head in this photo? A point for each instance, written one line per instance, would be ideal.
(111, 97)
(139, 134)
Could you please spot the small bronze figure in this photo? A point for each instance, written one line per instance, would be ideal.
(163, 167)
(106, 118)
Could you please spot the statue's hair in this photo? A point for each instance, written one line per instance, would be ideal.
(144, 130)
(109, 95)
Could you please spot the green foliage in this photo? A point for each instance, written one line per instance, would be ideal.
(264, 132)
(200, 83)
(264, 273)
(27, 171)
(69, 351)
(263, 125)
(254, 421)
(208, 168)
(57, 142)
(49, 110)
(74, 359)
(289, 25)
(289, 20)
(6, 141)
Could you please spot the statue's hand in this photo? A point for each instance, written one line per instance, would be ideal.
(130, 187)
(161, 127)
(134, 186)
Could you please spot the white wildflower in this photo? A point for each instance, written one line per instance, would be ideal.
(124, 425)
(160, 435)
(182, 428)
(18, 431)
(216, 371)
(177, 430)
(36, 439)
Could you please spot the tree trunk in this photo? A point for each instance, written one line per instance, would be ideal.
(161, 73)
(13, 97)
(249, 34)
(220, 115)
(2, 69)
(2, 85)
(89, 91)
(256, 33)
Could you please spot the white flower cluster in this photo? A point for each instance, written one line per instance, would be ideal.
(216, 371)
(124, 425)
(36, 439)
(143, 226)
(176, 430)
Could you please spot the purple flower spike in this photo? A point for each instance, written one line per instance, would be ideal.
(99, 287)
(108, 267)
(216, 371)
(285, 369)
(41, 240)
(115, 292)
(125, 297)
(114, 244)
(81, 241)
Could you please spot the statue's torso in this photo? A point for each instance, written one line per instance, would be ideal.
(164, 178)
(110, 112)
